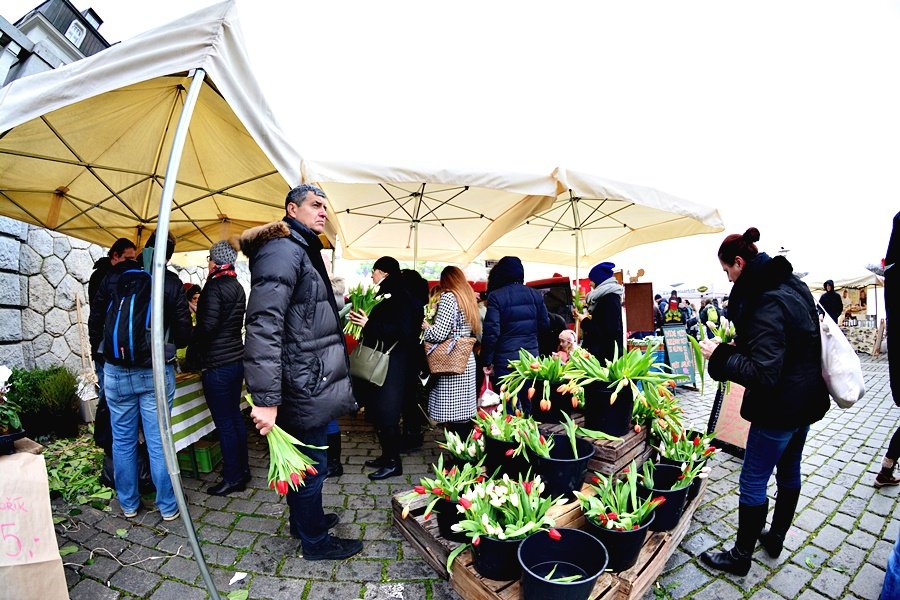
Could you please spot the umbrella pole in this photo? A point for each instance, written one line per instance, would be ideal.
(156, 324)
(415, 226)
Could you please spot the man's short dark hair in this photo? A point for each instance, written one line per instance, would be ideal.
(120, 246)
(170, 244)
(657, 297)
(298, 194)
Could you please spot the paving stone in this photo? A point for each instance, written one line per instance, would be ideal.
(845, 522)
(848, 557)
(677, 559)
(219, 518)
(829, 537)
(175, 544)
(817, 556)
(320, 590)
(277, 588)
(257, 524)
(261, 562)
(880, 554)
(173, 590)
(363, 570)
(180, 568)
(830, 583)
(379, 549)
(307, 569)
(699, 543)
(893, 528)
(789, 580)
(102, 568)
(861, 539)
(135, 581)
(686, 580)
(409, 569)
(868, 582)
(824, 505)
(810, 595)
(881, 505)
(211, 533)
(88, 589)
(219, 555)
(240, 539)
(719, 590)
(394, 591)
(441, 590)
(240, 505)
(835, 492)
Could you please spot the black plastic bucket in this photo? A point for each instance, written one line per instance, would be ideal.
(599, 414)
(694, 488)
(497, 559)
(561, 472)
(447, 516)
(669, 512)
(577, 552)
(622, 547)
(495, 456)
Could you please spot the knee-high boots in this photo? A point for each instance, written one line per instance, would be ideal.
(751, 520)
(772, 539)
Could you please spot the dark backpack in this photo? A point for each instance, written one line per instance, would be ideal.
(126, 332)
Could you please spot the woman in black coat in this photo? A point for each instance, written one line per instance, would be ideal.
(515, 316)
(777, 358)
(394, 322)
(602, 325)
(217, 347)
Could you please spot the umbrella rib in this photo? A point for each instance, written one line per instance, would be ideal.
(22, 208)
(100, 203)
(399, 204)
(224, 191)
(611, 214)
(88, 167)
(562, 214)
(161, 144)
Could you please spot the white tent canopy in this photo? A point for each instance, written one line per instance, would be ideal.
(417, 214)
(855, 280)
(594, 218)
(83, 148)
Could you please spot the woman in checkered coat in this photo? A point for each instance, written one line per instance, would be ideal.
(452, 399)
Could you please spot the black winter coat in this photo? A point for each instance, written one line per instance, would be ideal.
(832, 303)
(176, 314)
(603, 332)
(515, 316)
(777, 356)
(294, 352)
(218, 339)
(397, 319)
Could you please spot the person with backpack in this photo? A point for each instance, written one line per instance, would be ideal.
(128, 370)
(777, 359)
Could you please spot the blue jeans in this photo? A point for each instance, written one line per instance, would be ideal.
(766, 449)
(891, 587)
(129, 393)
(222, 388)
(307, 518)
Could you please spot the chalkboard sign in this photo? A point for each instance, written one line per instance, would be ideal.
(679, 354)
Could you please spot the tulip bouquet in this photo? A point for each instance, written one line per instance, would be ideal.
(505, 509)
(447, 484)
(288, 467)
(724, 334)
(615, 503)
(468, 450)
(430, 312)
(677, 445)
(550, 371)
(689, 472)
(658, 409)
(362, 300)
(505, 428)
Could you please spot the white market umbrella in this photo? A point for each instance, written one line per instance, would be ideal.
(169, 128)
(420, 214)
(594, 218)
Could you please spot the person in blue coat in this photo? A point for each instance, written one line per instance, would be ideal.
(515, 316)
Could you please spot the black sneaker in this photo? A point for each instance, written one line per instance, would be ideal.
(331, 521)
(332, 548)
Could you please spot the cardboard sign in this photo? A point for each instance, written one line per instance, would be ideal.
(731, 429)
(679, 354)
(30, 565)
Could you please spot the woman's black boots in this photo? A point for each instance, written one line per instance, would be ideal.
(389, 463)
(772, 539)
(335, 468)
(751, 520)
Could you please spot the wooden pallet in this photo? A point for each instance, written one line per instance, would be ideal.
(655, 553)
(610, 457)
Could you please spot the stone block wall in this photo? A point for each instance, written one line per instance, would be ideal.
(41, 273)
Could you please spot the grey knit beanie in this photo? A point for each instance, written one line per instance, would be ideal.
(222, 253)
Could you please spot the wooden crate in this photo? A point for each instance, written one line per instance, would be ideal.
(610, 457)
(466, 581)
(655, 553)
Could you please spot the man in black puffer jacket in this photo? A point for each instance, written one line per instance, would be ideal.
(515, 316)
(295, 360)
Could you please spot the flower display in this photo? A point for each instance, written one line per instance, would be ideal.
(469, 450)
(505, 509)
(677, 445)
(549, 371)
(362, 300)
(447, 484)
(615, 503)
(506, 428)
(689, 472)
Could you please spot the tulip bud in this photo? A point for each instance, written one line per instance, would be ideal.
(637, 428)
(419, 489)
(311, 470)
(531, 391)
(554, 534)
(295, 478)
(405, 512)
(510, 452)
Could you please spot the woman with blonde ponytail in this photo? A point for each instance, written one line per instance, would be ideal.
(452, 399)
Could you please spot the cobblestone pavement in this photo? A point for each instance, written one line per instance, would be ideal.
(838, 547)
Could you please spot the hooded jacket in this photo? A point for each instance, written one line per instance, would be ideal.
(831, 302)
(218, 335)
(515, 315)
(777, 356)
(294, 353)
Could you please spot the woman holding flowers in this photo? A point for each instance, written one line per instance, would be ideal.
(392, 323)
(452, 399)
(777, 358)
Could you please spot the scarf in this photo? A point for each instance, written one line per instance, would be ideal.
(610, 286)
(226, 270)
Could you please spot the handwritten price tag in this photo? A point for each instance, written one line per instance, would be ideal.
(26, 523)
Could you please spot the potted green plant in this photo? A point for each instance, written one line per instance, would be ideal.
(688, 450)
(443, 493)
(544, 373)
(498, 515)
(470, 450)
(59, 392)
(10, 424)
(505, 441)
(608, 391)
(618, 516)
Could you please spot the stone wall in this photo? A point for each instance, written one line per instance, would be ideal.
(41, 273)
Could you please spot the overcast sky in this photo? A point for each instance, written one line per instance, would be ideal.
(783, 115)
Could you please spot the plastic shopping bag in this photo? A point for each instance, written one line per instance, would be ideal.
(488, 397)
(841, 368)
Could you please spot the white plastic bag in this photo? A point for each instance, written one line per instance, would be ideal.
(488, 397)
(841, 368)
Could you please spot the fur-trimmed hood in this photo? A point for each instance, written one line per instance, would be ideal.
(255, 238)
